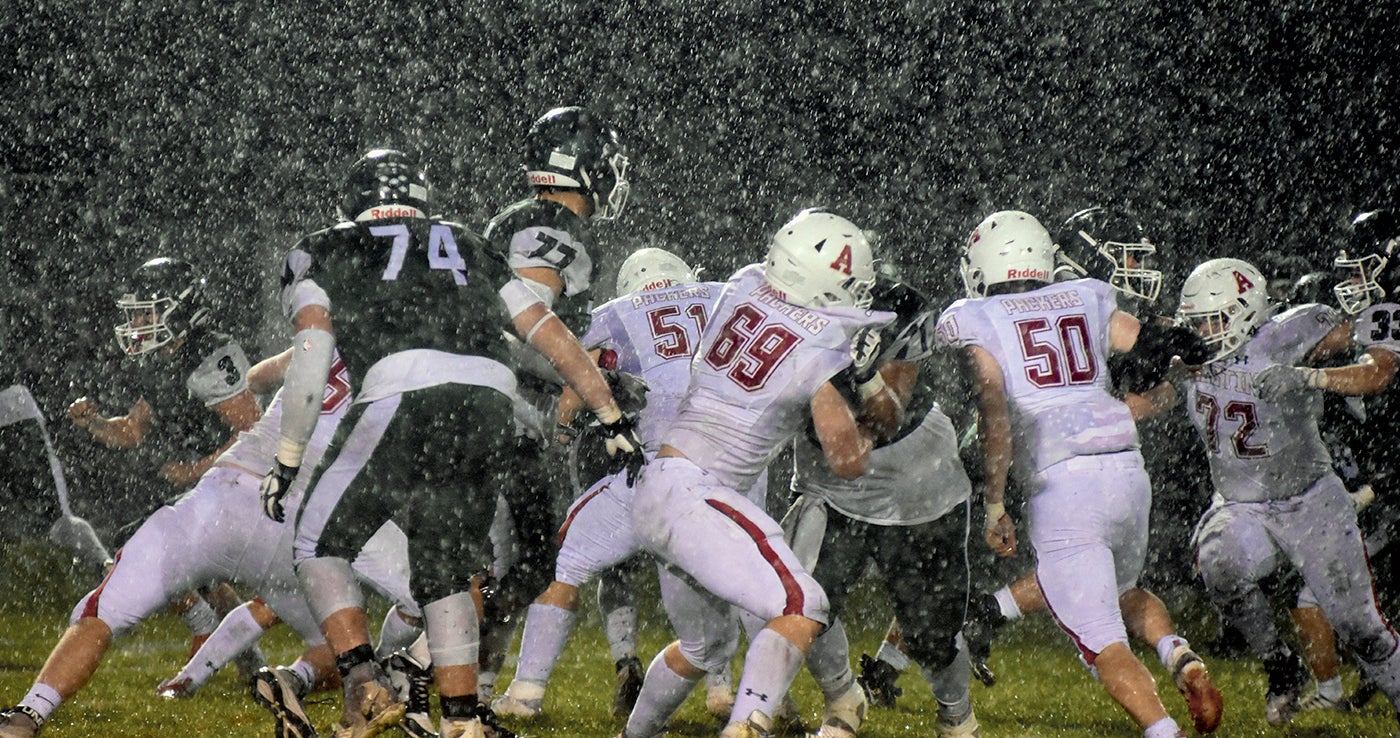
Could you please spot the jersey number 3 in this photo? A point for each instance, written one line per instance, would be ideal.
(749, 349)
(442, 251)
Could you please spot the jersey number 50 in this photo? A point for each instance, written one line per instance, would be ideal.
(1056, 363)
(750, 349)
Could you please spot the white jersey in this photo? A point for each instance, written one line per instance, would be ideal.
(1052, 345)
(1378, 326)
(760, 363)
(1263, 450)
(255, 448)
(654, 334)
(914, 480)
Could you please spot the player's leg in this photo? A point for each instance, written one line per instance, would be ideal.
(931, 607)
(1073, 521)
(237, 632)
(733, 549)
(617, 603)
(1234, 552)
(846, 546)
(1319, 642)
(1325, 545)
(706, 640)
(1147, 620)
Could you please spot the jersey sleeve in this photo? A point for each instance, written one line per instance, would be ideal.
(602, 330)
(957, 326)
(298, 289)
(222, 375)
(1378, 326)
(547, 247)
(1301, 328)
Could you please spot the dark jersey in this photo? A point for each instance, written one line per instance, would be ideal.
(400, 284)
(206, 369)
(543, 233)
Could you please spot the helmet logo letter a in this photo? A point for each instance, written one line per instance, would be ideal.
(1242, 282)
(843, 262)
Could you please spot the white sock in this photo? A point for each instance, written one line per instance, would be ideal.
(829, 661)
(306, 673)
(770, 665)
(890, 654)
(1330, 689)
(395, 633)
(43, 699)
(486, 686)
(720, 680)
(621, 627)
(1164, 728)
(1166, 650)
(235, 634)
(663, 691)
(1009, 610)
(547, 630)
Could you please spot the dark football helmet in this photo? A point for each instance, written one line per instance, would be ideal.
(385, 183)
(1371, 261)
(575, 149)
(1102, 244)
(163, 302)
(1313, 287)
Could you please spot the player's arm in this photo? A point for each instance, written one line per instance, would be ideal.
(1152, 402)
(550, 279)
(238, 414)
(845, 443)
(1369, 375)
(266, 376)
(994, 430)
(120, 432)
(570, 403)
(882, 412)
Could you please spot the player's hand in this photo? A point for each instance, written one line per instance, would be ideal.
(274, 489)
(1277, 380)
(1000, 535)
(623, 445)
(82, 411)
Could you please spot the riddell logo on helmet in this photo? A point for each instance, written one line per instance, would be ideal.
(658, 284)
(1028, 273)
(542, 178)
(393, 211)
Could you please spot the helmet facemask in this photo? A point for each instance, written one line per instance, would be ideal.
(1363, 288)
(147, 327)
(610, 187)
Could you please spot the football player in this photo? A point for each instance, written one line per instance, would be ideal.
(576, 169)
(651, 331)
(778, 335)
(908, 512)
(416, 305)
(215, 533)
(1256, 406)
(1037, 353)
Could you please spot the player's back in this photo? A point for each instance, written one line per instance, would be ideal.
(760, 363)
(403, 283)
(1052, 345)
(1262, 450)
(653, 334)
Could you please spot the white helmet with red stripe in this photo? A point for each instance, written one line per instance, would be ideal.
(819, 259)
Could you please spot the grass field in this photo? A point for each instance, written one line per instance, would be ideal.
(1042, 692)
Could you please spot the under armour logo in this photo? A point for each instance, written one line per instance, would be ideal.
(748, 692)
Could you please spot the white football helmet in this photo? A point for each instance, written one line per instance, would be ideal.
(1007, 246)
(819, 259)
(652, 269)
(1225, 301)
(1373, 263)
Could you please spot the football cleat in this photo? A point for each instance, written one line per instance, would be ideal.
(412, 682)
(1287, 675)
(1315, 701)
(491, 723)
(1203, 700)
(629, 684)
(177, 688)
(370, 709)
(757, 726)
(877, 678)
(275, 690)
(965, 728)
(843, 715)
(459, 728)
(20, 722)
(984, 622)
(787, 719)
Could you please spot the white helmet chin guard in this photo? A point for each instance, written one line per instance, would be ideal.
(819, 259)
(1225, 301)
(1008, 246)
(652, 269)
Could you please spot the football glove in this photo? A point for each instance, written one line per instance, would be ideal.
(275, 485)
(1278, 380)
(623, 445)
(629, 390)
(865, 355)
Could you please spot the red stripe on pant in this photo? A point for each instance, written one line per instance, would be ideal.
(1089, 656)
(791, 588)
(90, 607)
(564, 529)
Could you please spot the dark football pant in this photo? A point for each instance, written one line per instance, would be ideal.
(924, 571)
(433, 464)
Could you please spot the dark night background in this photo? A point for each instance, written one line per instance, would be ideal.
(1249, 129)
